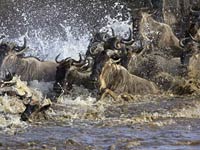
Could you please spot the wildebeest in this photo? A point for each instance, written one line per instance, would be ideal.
(35, 110)
(36, 105)
(103, 40)
(71, 72)
(161, 35)
(29, 68)
(149, 65)
(114, 79)
(194, 67)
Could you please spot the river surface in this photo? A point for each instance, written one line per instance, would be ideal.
(81, 122)
(78, 121)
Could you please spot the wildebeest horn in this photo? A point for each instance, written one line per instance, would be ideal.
(194, 39)
(21, 48)
(113, 32)
(80, 62)
(22, 51)
(129, 40)
(56, 59)
(80, 59)
(87, 65)
(194, 12)
(91, 52)
(117, 60)
(181, 42)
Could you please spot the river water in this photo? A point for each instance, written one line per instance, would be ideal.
(78, 121)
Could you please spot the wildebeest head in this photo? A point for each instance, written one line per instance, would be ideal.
(118, 42)
(191, 46)
(34, 108)
(100, 61)
(96, 44)
(10, 49)
(103, 40)
(62, 69)
(6, 47)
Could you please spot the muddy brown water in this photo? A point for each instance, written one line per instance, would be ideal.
(147, 122)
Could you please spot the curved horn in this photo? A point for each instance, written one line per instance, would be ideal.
(91, 52)
(87, 65)
(129, 40)
(22, 51)
(116, 61)
(195, 12)
(80, 62)
(113, 32)
(95, 49)
(181, 42)
(194, 39)
(21, 48)
(117, 45)
(56, 59)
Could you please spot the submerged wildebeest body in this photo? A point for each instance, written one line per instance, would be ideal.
(29, 68)
(148, 66)
(194, 67)
(79, 77)
(114, 79)
(35, 110)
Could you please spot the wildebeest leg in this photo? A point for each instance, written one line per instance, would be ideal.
(111, 93)
(126, 96)
(184, 59)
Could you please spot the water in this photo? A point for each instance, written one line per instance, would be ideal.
(60, 27)
(77, 121)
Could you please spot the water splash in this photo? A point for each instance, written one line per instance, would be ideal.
(59, 27)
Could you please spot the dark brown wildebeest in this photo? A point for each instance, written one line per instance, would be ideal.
(102, 41)
(115, 80)
(71, 72)
(29, 68)
(35, 110)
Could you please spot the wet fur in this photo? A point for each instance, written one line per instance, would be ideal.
(116, 80)
(29, 68)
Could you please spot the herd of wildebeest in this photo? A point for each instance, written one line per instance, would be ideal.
(159, 62)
